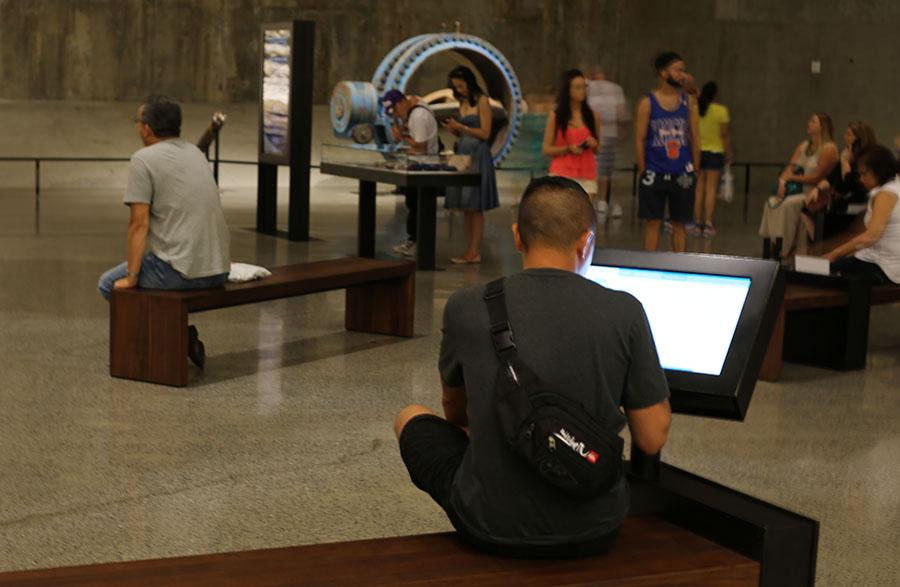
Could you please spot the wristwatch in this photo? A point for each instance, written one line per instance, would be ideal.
(133, 274)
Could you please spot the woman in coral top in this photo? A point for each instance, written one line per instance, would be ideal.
(572, 134)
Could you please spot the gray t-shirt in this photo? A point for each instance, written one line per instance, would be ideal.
(607, 99)
(187, 224)
(588, 342)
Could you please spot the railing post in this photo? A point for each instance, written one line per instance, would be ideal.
(746, 191)
(216, 159)
(37, 196)
(634, 192)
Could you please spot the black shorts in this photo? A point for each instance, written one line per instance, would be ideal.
(657, 189)
(712, 161)
(432, 450)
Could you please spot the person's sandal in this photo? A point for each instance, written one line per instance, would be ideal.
(464, 261)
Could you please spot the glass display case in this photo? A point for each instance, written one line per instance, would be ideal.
(400, 160)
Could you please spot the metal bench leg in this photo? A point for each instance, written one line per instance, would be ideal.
(382, 308)
(771, 366)
(148, 339)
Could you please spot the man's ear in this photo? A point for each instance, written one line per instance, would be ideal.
(519, 246)
(586, 243)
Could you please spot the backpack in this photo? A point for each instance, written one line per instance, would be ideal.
(552, 433)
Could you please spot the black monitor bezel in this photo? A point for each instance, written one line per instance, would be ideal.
(263, 156)
(699, 394)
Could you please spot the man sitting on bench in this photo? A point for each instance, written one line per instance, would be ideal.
(177, 236)
(585, 341)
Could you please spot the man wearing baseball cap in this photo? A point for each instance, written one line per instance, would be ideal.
(417, 126)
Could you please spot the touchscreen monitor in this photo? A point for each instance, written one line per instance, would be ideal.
(711, 317)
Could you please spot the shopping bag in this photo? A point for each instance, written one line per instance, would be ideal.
(726, 185)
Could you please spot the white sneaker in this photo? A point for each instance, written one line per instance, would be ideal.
(404, 248)
(602, 207)
(616, 211)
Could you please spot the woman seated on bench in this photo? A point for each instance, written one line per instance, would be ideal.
(875, 253)
(843, 189)
(813, 160)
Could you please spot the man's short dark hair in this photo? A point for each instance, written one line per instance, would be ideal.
(163, 115)
(880, 161)
(555, 212)
(665, 59)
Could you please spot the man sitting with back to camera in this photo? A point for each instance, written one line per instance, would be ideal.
(177, 235)
(586, 343)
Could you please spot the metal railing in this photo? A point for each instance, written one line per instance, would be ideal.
(216, 161)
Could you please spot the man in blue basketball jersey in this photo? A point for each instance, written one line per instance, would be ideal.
(668, 152)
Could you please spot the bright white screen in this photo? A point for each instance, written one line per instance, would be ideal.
(692, 316)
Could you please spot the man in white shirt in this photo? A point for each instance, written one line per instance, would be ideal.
(608, 100)
(417, 127)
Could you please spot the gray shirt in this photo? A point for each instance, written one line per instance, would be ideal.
(607, 99)
(585, 341)
(187, 224)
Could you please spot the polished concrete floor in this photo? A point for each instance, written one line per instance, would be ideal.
(286, 437)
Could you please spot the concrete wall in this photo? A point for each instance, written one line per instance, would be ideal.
(206, 50)
(760, 51)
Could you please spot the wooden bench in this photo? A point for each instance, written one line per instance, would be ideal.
(649, 551)
(850, 321)
(148, 328)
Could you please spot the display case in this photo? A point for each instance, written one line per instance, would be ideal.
(402, 160)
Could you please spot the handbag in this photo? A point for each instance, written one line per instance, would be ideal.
(552, 433)
(791, 188)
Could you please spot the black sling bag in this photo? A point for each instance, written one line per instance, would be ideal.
(553, 433)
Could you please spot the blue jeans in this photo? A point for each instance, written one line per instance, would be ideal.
(157, 274)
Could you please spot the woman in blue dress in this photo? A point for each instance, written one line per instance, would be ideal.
(474, 131)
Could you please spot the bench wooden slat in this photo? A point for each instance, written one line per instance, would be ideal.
(650, 551)
(289, 281)
(804, 297)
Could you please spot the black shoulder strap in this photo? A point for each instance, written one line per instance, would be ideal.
(501, 329)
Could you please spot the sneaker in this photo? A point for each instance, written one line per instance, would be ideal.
(404, 248)
(410, 251)
(196, 348)
(694, 229)
(616, 211)
(602, 207)
(667, 226)
(709, 230)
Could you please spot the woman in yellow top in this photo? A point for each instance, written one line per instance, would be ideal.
(715, 150)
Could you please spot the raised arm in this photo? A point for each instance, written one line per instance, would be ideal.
(206, 139)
